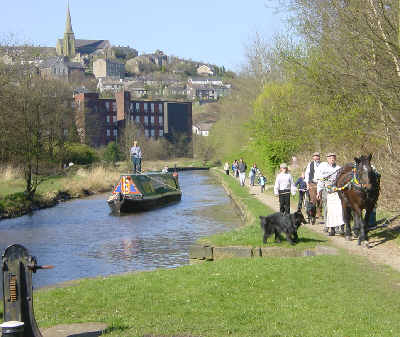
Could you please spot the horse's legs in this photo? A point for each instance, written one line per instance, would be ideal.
(363, 233)
(359, 221)
(346, 219)
(368, 212)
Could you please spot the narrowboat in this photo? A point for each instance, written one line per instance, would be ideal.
(143, 192)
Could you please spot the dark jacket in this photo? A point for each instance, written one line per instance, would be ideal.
(242, 167)
(301, 184)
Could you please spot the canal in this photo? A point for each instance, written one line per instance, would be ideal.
(82, 239)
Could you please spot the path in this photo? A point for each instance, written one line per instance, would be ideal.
(382, 251)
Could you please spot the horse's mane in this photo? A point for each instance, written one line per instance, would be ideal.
(346, 168)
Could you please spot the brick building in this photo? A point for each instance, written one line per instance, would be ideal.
(102, 120)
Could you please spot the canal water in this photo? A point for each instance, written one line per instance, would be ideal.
(82, 239)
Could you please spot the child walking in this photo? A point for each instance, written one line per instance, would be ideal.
(262, 181)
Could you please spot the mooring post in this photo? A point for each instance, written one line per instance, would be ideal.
(12, 329)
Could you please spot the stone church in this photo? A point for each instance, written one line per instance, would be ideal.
(79, 50)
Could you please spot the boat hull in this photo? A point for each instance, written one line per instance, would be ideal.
(127, 205)
(137, 193)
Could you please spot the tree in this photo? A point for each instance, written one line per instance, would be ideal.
(35, 116)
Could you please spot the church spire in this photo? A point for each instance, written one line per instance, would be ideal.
(69, 37)
(68, 25)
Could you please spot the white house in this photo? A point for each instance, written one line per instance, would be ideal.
(205, 70)
(202, 129)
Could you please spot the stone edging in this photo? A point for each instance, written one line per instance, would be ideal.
(199, 252)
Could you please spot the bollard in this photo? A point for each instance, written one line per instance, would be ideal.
(17, 268)
(12, 329)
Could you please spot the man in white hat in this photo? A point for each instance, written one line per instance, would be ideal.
(309, 178)
(283, 187)
(326, 176)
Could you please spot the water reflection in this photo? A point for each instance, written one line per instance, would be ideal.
(82, 239)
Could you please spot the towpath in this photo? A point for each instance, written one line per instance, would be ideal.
(382, 251)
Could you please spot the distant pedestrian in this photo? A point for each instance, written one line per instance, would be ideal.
(311, 181)
(242, 167)
(252, 174)
(235, 168)
(262, 182)
(283, 188)
(136, 157)
(302, 186)
(226, 168)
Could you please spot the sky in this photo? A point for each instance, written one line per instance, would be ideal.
(210, 31)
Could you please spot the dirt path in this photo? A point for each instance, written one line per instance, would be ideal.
(382, 251)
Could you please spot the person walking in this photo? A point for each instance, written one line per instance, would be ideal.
(252, 174)
(283, 188)
(242, 167)
(309, 178)
(302, 186)
(136, 157)
(262, 181)
(326, 176)
(235, 168)
(226, 168)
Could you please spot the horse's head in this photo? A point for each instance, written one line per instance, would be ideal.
(363, 171)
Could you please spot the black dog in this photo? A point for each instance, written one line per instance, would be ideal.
(311, 212)
(278, 223)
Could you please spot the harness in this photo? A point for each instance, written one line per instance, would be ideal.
(354, 182)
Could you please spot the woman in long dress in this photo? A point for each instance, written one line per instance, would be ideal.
(326, 175)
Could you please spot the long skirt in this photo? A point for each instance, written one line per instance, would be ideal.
(334, 210)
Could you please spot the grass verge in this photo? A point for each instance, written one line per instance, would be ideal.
(251, 233)
(313, 296)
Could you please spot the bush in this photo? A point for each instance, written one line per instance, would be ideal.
(112, 153)
(80, 154)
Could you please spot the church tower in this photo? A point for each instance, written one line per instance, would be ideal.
(69, 37)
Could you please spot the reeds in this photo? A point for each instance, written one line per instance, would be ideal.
(9, 172)
(92, 180)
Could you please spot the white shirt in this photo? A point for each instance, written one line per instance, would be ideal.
(284, 181)
(136, 152)
(326, 170)
(307, 173)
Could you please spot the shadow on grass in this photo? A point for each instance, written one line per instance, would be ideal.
(305, 240)
(111, 329)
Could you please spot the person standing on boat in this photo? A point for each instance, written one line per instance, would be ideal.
(136, 156)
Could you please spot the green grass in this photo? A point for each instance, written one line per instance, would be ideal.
(313, 296)
(251, 234)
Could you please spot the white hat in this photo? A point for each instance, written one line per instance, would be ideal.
(283, 165)
(331, 154)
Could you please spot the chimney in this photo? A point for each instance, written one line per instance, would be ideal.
(122, 99)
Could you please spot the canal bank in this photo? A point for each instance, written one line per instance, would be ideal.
(74, 183)
(251, 208)
(83, 239)
(233, 297)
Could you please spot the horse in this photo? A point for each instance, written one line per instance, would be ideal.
(358, 186)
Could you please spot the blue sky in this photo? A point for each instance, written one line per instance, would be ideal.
(213, 31)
